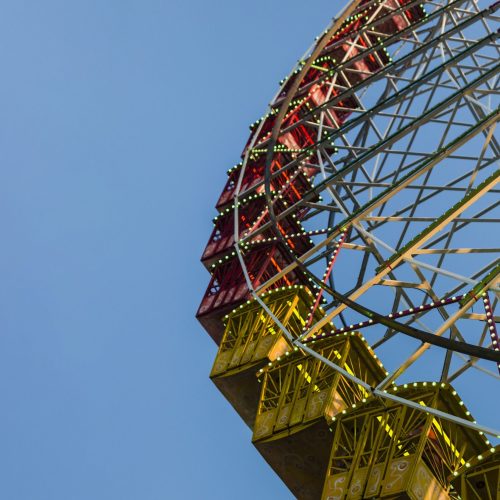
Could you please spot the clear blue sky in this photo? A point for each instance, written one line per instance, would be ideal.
(118, 121)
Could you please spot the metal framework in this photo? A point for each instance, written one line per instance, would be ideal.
(367, 199)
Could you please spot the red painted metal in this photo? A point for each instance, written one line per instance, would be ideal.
(252, 215)
(228, 289)
(254, 174)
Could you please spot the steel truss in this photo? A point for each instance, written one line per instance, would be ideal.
(367, 201)
(419, 140)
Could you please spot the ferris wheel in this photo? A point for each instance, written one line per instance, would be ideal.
(354, 260)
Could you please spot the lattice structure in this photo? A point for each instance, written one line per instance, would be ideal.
(252, 339)
(387, 450)
(366, 201)
(480, 477)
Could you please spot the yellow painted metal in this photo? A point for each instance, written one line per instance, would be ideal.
(252, 339)
(479, 479)
(251, 335)
(385, 449)
(320, 431)
(402, 476)
(300, 389)
(300, 395)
